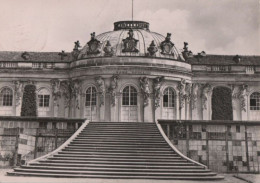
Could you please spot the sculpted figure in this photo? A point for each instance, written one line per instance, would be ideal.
(242, 96)
(101, 86)
(188, 91)
(157, 87)
(113, 87)
(182, 92)
(55, 83)
(75, 90)
(18, 91)
(65, 91)
(204, 96)
(144, 82)
(194, 95)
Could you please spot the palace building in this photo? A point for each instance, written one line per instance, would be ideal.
(152, 109)
(135, 75)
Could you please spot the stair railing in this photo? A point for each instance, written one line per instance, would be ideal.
(65, 144)
(174, 148)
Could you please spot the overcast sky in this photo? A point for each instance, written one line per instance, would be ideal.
(215, 26)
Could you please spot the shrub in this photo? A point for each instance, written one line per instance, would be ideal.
(29, 105)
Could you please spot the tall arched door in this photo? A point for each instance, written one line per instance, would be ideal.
(168, 110)
(90, 111)
(129, 105)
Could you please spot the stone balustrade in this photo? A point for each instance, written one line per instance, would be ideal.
(224, 146)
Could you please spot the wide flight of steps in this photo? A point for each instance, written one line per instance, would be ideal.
(117, 150)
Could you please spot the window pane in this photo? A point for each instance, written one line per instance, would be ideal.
(91, 99)
(6, 97)
(129, 96)
(165, 100)
(168, 98)
(255, 101)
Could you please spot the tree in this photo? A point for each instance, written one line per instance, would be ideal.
(29, 106)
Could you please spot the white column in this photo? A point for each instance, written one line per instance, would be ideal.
(244, 110)
(102, 109)
(177, 107)
(148, 111)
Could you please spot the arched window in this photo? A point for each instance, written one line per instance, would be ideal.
(6, 97)
(43, 98)
(255, 101)
(129, 96)
(168, 97)
(91, 97)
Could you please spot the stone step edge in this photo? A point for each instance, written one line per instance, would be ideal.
(117, 177)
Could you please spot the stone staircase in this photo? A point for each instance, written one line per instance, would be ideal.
(117, 150)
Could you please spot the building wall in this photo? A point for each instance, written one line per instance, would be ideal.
(67, 86)
(202, 109)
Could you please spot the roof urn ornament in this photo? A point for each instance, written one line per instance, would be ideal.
(237, 59)
(62, 54)
(108, 49)
(130, 43)
(152, 49)
(25, 55)
(186, 52)
(93, 45)
(75, 52)
(167, 45)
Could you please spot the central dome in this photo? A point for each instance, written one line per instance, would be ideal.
(130, 38)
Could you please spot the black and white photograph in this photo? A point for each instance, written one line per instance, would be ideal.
(122, 91)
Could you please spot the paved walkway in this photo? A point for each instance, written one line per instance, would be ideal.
(255, 178)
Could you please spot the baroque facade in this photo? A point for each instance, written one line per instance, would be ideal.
(135, 75)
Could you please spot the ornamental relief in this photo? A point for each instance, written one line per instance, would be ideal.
(166, 46)
(130, 43)
(94, 45)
